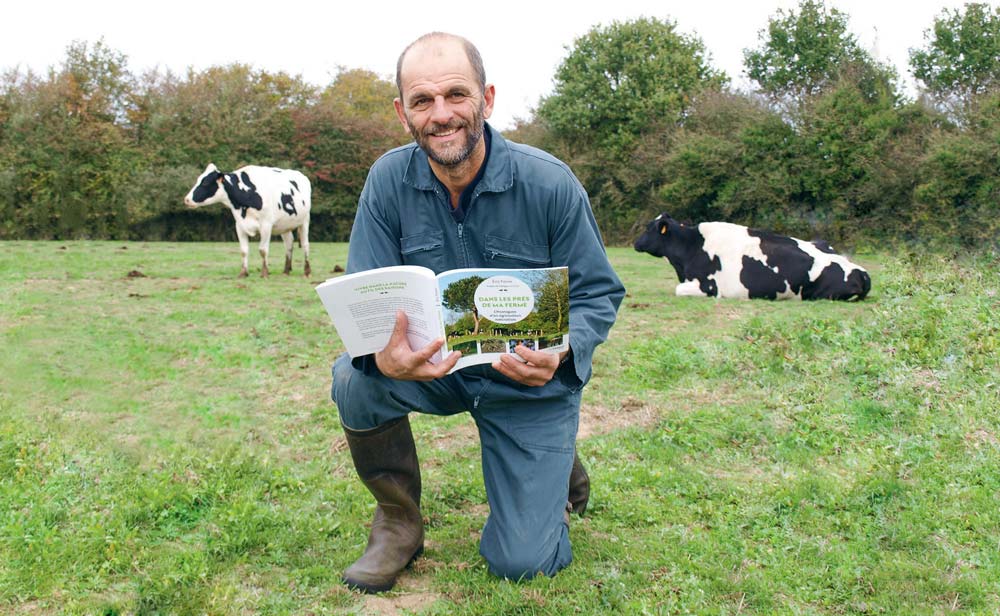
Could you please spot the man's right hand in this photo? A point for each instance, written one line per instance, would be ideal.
(398, 361)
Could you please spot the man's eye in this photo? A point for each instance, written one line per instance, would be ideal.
(457, 96)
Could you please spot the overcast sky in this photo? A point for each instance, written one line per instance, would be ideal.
(522, 42)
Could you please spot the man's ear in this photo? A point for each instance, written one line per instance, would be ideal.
(401, 113)
(489, 93)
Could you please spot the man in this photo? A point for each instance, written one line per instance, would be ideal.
(463, 196)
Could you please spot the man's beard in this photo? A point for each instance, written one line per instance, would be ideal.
(452, 157)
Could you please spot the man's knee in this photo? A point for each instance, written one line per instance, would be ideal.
(355, 395)
(523, 562)
(518, 569)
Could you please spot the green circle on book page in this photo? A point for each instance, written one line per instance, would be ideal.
(504, 299)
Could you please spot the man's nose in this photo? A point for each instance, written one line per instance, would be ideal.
(440, 112)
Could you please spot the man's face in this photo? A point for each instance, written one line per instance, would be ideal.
(442, 105)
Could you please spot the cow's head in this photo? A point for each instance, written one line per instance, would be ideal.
(207, 190)
(660, 237)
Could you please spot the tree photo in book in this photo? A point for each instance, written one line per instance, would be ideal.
(494, 314)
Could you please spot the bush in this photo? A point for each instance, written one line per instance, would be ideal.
(961, 172)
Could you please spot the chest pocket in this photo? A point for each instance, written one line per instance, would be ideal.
(426, 249)
(510, 253)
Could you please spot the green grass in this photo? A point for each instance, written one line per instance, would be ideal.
(167, 446)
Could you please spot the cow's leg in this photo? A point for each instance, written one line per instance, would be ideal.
(304, 243)
(264, 248)
(286, 237)
(691, 288)
(244, 249)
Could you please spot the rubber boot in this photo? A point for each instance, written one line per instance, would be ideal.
(579, 486)
(386, 460)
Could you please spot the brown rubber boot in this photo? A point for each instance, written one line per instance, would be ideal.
(579, 486)
(386, 460)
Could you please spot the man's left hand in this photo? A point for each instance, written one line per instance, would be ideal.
(536, 370)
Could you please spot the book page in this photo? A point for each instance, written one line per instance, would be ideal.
(363, 307)
(488, 312)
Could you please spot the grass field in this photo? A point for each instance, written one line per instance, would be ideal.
(167, 446)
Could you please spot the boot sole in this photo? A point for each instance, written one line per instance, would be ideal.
(372, 589)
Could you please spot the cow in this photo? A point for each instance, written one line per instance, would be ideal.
(264, 200)
(721, 259)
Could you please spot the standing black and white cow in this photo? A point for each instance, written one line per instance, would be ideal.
(263, 200)
(720, 259)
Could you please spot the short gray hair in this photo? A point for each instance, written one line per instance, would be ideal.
(475, 60)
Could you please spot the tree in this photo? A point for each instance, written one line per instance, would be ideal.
(618, 79)
(67, 144)
(553, 299)
(803, 52)
(962, 55)
(363, 95)
(460, 296)
(960, 179)
(231, 115)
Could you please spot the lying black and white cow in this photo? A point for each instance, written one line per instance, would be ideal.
(720, 259)
(263, 200)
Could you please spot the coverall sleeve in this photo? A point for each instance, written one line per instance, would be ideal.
(595, 291)
(375, 235)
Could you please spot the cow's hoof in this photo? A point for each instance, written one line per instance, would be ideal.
(243, 274)
(308, 270)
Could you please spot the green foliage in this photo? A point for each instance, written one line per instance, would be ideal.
(728, 161)
(231, 116)
(827, 147)
(552, 305)
(69, 160)
(803, 52)
(850, 169)
(959, 191)
(846, 168)
(362, 95)
(618, 78)
(961, 58)
(92, 151)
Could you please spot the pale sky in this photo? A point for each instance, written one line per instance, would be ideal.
(522, 42)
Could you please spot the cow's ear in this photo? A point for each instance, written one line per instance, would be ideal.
(663, 229)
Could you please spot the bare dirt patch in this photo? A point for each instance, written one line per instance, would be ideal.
(631, 412)
(982, 437)
(391, 606)
(415, 597)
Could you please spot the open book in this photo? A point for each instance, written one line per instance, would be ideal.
(481, 312)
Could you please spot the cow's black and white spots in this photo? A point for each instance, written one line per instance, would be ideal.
(263, 200)
(720, 259)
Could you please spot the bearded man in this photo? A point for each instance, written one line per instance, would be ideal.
(462, 196)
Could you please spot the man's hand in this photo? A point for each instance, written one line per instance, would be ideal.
(398, 361)
(536, 370)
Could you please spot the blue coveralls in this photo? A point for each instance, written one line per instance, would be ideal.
(527, 211)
